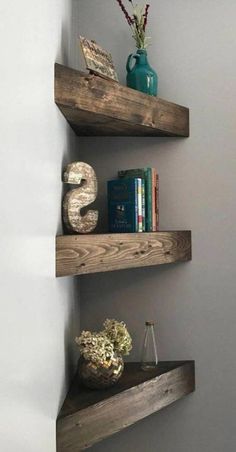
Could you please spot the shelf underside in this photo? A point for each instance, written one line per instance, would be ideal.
(88, 416)
(94, 106)
(82, 254)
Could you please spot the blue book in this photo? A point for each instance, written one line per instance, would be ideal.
(123, 205)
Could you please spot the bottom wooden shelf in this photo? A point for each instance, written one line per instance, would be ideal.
(88, 416)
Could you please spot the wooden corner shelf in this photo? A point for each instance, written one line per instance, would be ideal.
(88, 416)
(94, 253)
(94, 106)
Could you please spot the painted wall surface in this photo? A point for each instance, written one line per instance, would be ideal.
(39, 314)
(193, 48)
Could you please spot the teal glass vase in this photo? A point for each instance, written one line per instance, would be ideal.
(140, 75)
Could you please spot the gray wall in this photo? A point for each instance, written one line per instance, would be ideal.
(193, 50)
(39, 314)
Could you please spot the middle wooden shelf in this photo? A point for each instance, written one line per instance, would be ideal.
(94, 253)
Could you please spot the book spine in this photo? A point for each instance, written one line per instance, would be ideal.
(143, 206)
(140, 217)
(148, 200)
(154, 181)
(157, 203)
(136, 205)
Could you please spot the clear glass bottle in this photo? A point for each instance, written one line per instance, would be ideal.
(149, 358)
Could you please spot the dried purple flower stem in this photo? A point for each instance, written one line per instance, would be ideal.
(127, 16)
(137, 22)
(145, 17)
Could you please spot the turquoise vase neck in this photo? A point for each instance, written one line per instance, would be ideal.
(142, 56)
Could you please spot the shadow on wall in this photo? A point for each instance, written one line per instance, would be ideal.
(71, 330)
(67, 55)
(68, 51)
(148, 293)
(127, 152)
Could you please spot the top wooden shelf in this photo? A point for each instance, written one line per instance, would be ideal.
(94, 106)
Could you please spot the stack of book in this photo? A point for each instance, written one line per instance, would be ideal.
(133, 201)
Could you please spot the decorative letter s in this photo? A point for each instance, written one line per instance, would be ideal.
(82, 174)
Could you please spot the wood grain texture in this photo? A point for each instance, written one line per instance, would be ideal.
(77, 255)
(97, 107)
(89, 416)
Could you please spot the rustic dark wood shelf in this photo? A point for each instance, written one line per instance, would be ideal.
(88, 416)
(94, 253)
(94, 106)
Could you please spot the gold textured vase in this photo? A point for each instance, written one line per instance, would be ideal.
(101, 376)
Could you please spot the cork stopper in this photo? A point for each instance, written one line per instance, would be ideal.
(149, 322)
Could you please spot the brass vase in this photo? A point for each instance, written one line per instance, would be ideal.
(101, 376)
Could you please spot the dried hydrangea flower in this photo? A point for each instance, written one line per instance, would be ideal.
(95, 347)
(119, 336)
(102, 347)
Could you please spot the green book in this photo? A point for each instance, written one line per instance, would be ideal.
(146, 174)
